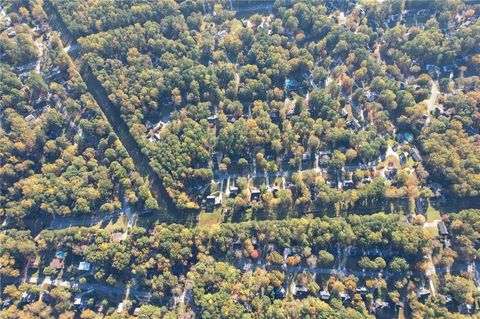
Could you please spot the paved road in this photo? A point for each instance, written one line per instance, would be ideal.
(431, 101)
(106, 289)
(61, 222)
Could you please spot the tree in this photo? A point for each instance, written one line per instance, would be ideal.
(338, 159)
(399, 265)
(350, 155)
(380, 263)
(461, 289)
(366, 263)
(322, 105)
(275, 258)
(62, 299)
(325, 259)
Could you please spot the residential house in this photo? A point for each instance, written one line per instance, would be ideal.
(442, 228)
(415, 154)
(56, 263)
(325, 295)
(255, 194)
(84, 266)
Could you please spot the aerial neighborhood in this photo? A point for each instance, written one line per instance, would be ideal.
(239, 159)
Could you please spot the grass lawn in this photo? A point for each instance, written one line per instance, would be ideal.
(210, 218)
(433, 230)
(114, 225)
(432, 214)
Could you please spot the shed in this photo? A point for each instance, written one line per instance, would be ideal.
(442, 228)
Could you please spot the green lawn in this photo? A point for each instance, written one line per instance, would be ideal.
(433, 230)
(432, 214)
(114, 225)
(210, 218)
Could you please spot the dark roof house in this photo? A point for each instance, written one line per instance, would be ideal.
(442, 228)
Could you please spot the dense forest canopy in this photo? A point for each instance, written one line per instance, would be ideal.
(239, 159)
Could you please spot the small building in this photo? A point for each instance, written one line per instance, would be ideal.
(80, 302)
(11, 32)
(28, 298)
(371, 96)
(220, 35)
(212, 119)
(30, 117)
(210, 201)
(84, 266)
(120, 307)
(291, 85)
(325, 295)
(465, 309)
(279, 292)
(301, 291)
(366, 180)
(234, 191)
(213, 201)
(5, 303)
(448, 68)
(433, 70)
(255, 194)
(306, 156)
(264, 25)
(423, 293)
(287, 252)
(415, 154)
(362, 290)
(442, 228)
(56, 263)
(79, 249)
(390, 172)
(344, 296)
(436, 188)
(421, 206)
(348, 184)
(448, 299)
(380, 305)
(354, 124)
